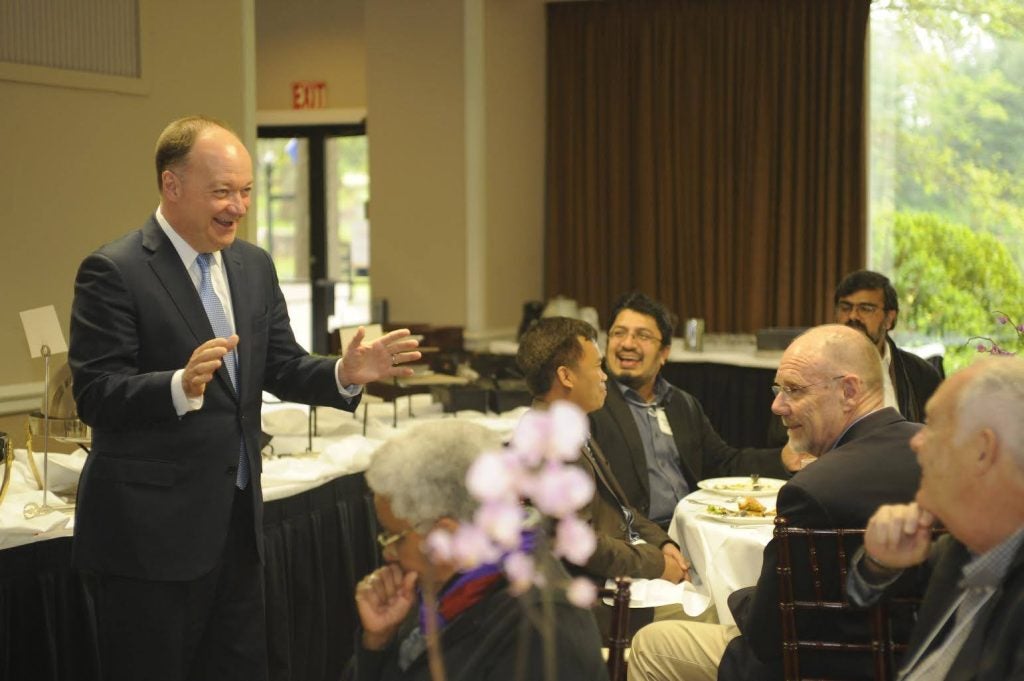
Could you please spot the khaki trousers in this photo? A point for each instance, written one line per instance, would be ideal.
(679, 651)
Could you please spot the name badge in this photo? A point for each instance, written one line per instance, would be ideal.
(663, 424)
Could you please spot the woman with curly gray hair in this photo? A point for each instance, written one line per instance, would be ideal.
(418, 480)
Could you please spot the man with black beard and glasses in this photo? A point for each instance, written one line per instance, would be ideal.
(656, 437)
(867, 301)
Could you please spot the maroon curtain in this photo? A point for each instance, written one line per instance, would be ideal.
(708, 152)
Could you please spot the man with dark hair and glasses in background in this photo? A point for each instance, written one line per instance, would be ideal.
(867, 301)
(656, 437)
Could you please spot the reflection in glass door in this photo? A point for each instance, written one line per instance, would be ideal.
(311, 216)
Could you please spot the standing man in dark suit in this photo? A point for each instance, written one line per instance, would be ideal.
(972, 480)
(657, 438)
(867, 301)
(176, 329)
(829, 394)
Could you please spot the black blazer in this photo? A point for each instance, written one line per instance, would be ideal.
(914, 381)
(156, 491)
(702, 453)
(993, 650)
(872, 464)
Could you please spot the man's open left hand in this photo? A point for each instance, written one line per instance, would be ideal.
(381, 359)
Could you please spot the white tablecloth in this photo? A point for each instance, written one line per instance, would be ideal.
(339, 449)
(725, 556)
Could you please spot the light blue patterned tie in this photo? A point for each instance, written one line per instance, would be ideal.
(222, 329)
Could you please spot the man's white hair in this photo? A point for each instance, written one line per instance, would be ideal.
(422, 471)
(994, 398)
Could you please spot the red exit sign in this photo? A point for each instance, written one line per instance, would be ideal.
(309, 94)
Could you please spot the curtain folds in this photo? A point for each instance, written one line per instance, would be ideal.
(710, 153)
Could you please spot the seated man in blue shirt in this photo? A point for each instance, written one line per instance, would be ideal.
(656, 437)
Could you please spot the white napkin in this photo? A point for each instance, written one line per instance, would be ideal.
(14, 527)
(650, 593)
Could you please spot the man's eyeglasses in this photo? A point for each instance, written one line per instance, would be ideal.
(386, 539)
(620, 333)
(793, 392)
(863, 308)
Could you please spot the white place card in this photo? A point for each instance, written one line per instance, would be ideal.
(42, 328)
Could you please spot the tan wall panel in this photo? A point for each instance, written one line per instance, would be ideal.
(515, 90)
(415, 102)
(77, 165)
(310, 40)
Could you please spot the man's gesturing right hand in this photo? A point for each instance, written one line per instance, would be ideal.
(203, 364)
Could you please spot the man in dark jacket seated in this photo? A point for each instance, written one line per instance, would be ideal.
(829, 394)
(657, 438)
(972, 480)
(486, 633)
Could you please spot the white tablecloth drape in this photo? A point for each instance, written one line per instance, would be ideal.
(725, 556)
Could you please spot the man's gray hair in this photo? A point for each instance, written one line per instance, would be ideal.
(994, 398)
(422, 471)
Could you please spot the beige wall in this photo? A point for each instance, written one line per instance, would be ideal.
(314, 40)
(77, 164)
(455, 97)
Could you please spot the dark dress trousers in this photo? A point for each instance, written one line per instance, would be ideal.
(156, 492)
(702, 453)
(871, 464)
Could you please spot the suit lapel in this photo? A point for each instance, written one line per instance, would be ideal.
(169, 270)
(623, 415)
(603, 471)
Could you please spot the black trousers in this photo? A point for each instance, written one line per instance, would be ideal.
(213, 627)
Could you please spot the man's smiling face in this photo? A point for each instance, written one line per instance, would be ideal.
(635, 352)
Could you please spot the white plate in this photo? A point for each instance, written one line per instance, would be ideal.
(741, 486)
(738, 519)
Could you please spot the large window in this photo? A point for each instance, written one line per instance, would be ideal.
(947, 167)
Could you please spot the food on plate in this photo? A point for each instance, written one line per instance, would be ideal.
(747, 508)
(752, 506)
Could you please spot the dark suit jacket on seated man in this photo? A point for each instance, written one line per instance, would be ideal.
(176, 329)
(972, 480)
(829, 395)
(560, 360)
(656, 436)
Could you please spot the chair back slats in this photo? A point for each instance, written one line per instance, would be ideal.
(822, 571)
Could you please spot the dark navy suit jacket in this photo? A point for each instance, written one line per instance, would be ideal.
(156, 491)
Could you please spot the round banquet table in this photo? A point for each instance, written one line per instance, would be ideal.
(725, 556)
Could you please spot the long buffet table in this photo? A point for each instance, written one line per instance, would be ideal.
(319, 544)
(319, 529)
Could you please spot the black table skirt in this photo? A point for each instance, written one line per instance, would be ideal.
(319, 544)
(737, 400)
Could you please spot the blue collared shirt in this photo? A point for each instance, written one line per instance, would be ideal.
(664, 474)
